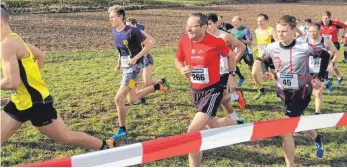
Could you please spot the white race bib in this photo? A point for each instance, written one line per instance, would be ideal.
(261, 48)
(200, 75)
(327, 36)
(287, 81)
(125, 60)
(314, 64)
(223, 65)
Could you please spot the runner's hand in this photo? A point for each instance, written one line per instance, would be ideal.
(117, 69)
(132, 61)
(316, 84)
(266, 76)
(231, 85)
(187, 71)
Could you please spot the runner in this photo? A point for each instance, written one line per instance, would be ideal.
(224, 71)
(330, 29)
(289, 58)
(147, 64)
(132, 46)
(304, 29)
(223, 26)
(264, 35)
(31, 99)
(325, 44)
(198, 59)
(243, 34)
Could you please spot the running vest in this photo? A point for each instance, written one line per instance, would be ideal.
(263, 38)
(32, 88)
(314, 61)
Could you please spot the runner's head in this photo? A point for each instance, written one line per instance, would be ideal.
(5, 16)
(237, 22)
(212, 22)
(285, 29)
(308, 21)
(131, 22)
(314, 30)
(262, 20)
(117, 15)
(196, 26)
(220, 20)
(326, 16)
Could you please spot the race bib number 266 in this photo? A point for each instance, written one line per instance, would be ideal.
(200, 76)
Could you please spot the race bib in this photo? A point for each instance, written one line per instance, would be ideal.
(200, 76)
(223, 65)
(261, 48)
(288, 81)
(125, 60)
(314, 64)
(327, 36)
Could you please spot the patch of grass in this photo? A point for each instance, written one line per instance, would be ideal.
(84, 85)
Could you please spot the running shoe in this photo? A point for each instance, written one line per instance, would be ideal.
(259, 94)
(141, 101)
(165, 82)
(120, 134)
(242, 101)
(329, 86)
(242, 121)
(345, 61)
(319, 146)
(239, 84)
(338, 82)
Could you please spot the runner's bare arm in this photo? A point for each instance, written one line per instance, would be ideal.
(248, 40)
(147, 46)
(231, 61)
(237, 43)
(10, 67)
(333, 49)
(38, 54)
(148, 37)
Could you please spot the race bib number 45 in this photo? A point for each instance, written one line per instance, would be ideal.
(200, 76)
(314, 64)
(288, 81)
(125, 60)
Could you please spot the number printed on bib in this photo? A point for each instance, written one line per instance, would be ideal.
(125, 60)
(314, 64)
(327, 36)
(200, 75)
(288, 81)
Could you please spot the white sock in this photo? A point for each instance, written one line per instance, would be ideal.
(339, 78)
(234, 116)
(234, 96)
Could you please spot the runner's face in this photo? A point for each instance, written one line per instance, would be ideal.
(195, 31)
(211, 26)
(325, 19)
(262, 23)
(314, 32)
(115, 20)
(285, 33)
(236, 23)
(220, 21)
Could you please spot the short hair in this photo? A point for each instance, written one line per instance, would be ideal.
(132, 20)
(120, 11)
(213, 17)
(202, 18)
(264, 15)
(308, 20)
(287, 20)
(220, 16)
(318, 25)
(4, 13)
(328, 13)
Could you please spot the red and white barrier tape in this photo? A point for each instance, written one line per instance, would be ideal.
(167, 147)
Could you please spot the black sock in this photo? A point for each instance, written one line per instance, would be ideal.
(156, 86)
(239, 122)
(262, 90)
(123, 127)
(316, 113)
(345, 54)
(104, 145)
(238, 73)
(143, 99)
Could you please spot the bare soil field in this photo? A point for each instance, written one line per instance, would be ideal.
(91, 30)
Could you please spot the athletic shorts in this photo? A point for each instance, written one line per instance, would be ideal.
(39, 114)
(207, 100)
(248, 59)
(131, 75)
(224, 81)
(295, 102)
(345, 44)
(147, 60)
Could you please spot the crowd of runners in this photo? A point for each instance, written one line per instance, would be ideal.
(301, 59)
